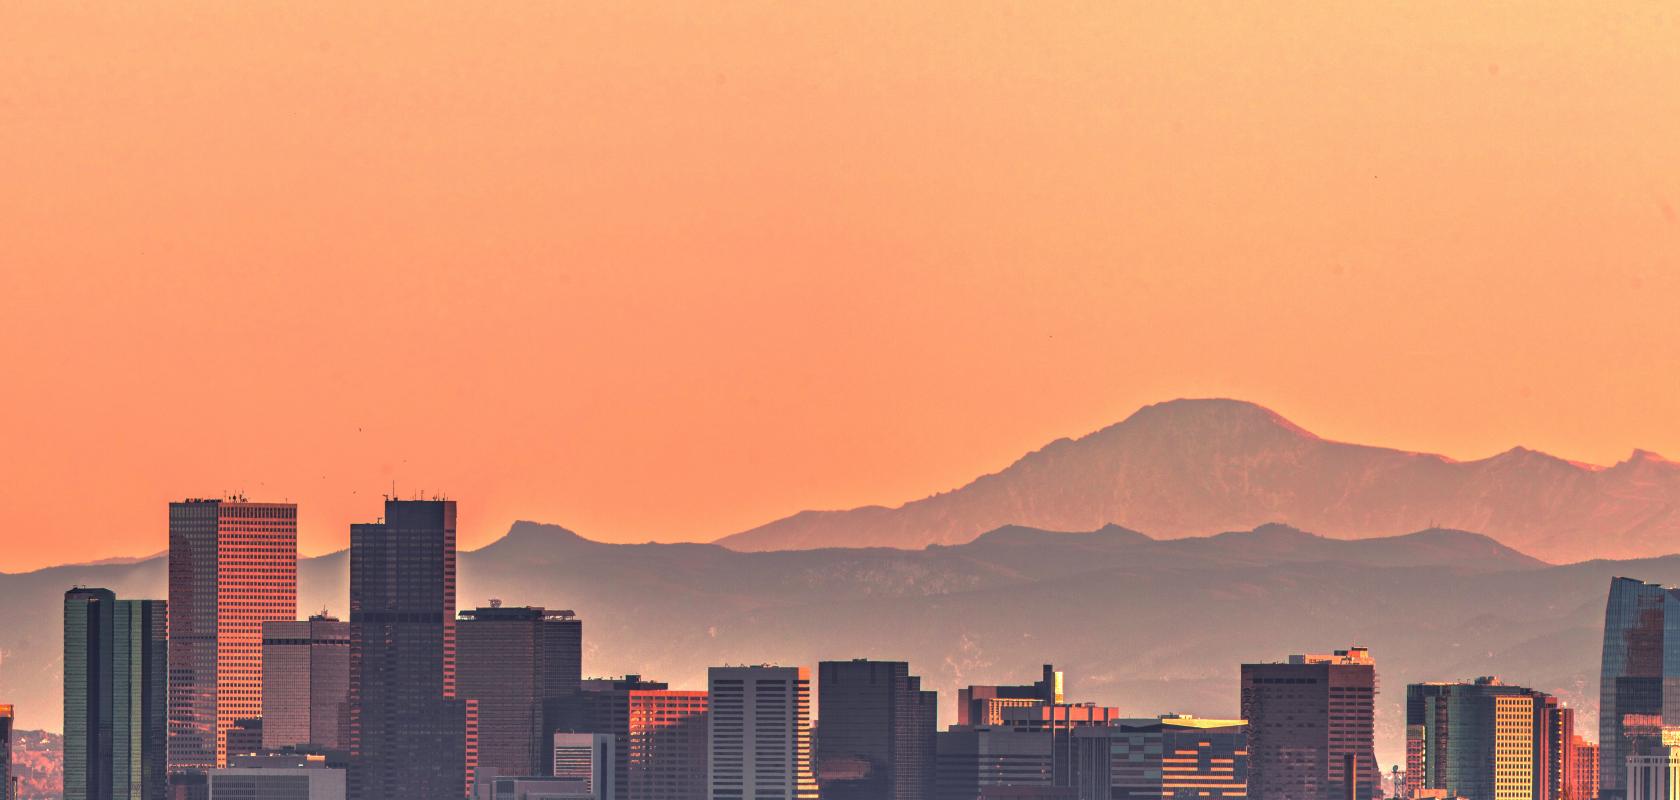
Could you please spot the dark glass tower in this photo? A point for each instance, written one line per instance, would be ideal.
(115, 696)
(511, 661)
(407, 732)
(1639, 686)
(6, 717)
(878, 734)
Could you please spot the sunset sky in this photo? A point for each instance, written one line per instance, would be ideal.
(672, 270)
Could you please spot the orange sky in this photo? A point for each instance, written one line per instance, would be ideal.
(652, 271)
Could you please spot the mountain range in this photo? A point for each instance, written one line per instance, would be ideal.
(1197, 467)
(1148, 625)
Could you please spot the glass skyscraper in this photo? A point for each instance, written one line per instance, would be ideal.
(115, 694)
(878, 732)
(1639, 686)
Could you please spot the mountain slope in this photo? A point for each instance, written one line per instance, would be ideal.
(1147, 625)
(1196, 467)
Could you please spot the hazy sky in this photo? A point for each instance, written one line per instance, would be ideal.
(672, 270)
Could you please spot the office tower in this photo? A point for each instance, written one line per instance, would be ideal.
(407, 732)
(759, 734)
(1058, 721)
(140, 699)
(983, 705)
(1582, 779)
(6, 717)
(1483, 740)
(659, 735)
(1303, 717)
(1638, 617)
(511, 661)
(232, 567)
(974, 761)
(1654, 774)
(1554, 726)
(115, 688)
(878, 730)
(306, 683)
(588, 758)
(272, 776)
(1172, 756)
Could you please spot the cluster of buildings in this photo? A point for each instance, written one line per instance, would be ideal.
(220, 692)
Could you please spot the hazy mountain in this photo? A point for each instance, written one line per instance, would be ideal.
(1195, 467)
(1147, 625)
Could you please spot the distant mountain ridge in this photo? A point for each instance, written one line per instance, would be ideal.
(1197, 467)
(1148, 625)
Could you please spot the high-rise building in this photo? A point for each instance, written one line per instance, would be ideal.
(659, 735)
(245, 737)
(306, 683)
(1172, 756)
(979, 761)
(232, 567)
(115, 693)
(1635, 674)
(6, 718)
(1304, 717)
(511, 661)
(407, 731)
(1484, 740)
(983, 704)
(759, 734)
(878, 732)
(1058, 721)
(1581, 781)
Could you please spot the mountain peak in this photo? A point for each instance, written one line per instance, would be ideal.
(1200, 413)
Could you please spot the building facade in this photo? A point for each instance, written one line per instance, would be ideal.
(232, 567)
(759, 734)
(878, 732)
(975, 760)
(1483, 740)
(1305, 718)
(982, 705)
(407, 731)
(509, 663)
(115, 696)
(306, 683)
(1654, 775)
(1178, 757)
(1581, 781)
(277, 777)
(7, 717)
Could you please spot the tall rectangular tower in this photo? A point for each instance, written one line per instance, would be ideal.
(511, 661)
(306, 683)
(760, 734)
(6, 719)
(115, 741)
(232, 567)
(1304, 717)
(878, 732)
(407, 732)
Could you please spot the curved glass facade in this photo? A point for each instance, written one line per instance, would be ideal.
(1639, 686)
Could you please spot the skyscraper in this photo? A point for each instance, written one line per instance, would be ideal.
(878, 730)
(114, 697)
(760, 734)
(6, 717)
(1582, 778)
(407, 732)
(511, 661)
(1636, 675)
(1304, 717)
(232, 567)
(1484, 740)
(1172, 756)
(306, 683)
